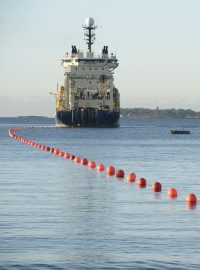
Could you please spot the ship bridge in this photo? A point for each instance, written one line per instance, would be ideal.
(89, 58)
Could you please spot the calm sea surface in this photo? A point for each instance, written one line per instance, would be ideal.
(56, 214)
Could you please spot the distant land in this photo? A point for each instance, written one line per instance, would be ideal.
(134, 113)
(33, 116)
(158, 113)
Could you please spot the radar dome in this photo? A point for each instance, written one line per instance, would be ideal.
(89, 22)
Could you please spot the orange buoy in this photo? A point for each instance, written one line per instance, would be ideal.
(61, 154)
(120, 174)
(156, 187)
(52, 150)
(100, 167)
(92, 164)
(192, 198)
(77, 159)
(110, 170)
(131, 177)
(84, 161)
(56, 151)
(72, 157)
(172, 193)
(66, 155)
(190, 205)
(141, 182)
(47, 148)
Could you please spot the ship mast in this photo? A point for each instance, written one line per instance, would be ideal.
(89, 32)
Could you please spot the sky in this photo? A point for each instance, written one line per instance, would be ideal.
(157, 43)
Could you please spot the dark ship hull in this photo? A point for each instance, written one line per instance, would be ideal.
(87, 118)
(176, 131)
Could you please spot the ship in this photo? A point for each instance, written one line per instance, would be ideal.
(179, 131)
(88, 96)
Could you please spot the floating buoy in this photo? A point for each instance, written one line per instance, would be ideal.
(120, 174)
(191, 198)
(156, 187)
(131, 177)
(61, 154)
(47, 148)
(100, 167)
(52, 150)
(172, 193)
(191, 205)
(141, 182)
(56, 151)
(67, 155)
(72, 157)
(92, 164)
(77, 159)
(84, 161)
(110, 170)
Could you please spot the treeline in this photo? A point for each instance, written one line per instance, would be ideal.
(158, 113)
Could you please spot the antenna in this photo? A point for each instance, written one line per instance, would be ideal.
(54, 94)
(89, 33)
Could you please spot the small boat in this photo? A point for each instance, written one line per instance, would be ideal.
(179, 131)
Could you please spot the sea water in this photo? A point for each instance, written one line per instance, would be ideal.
(56, 214)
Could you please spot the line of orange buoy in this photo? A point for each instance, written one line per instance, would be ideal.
(191, 198)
